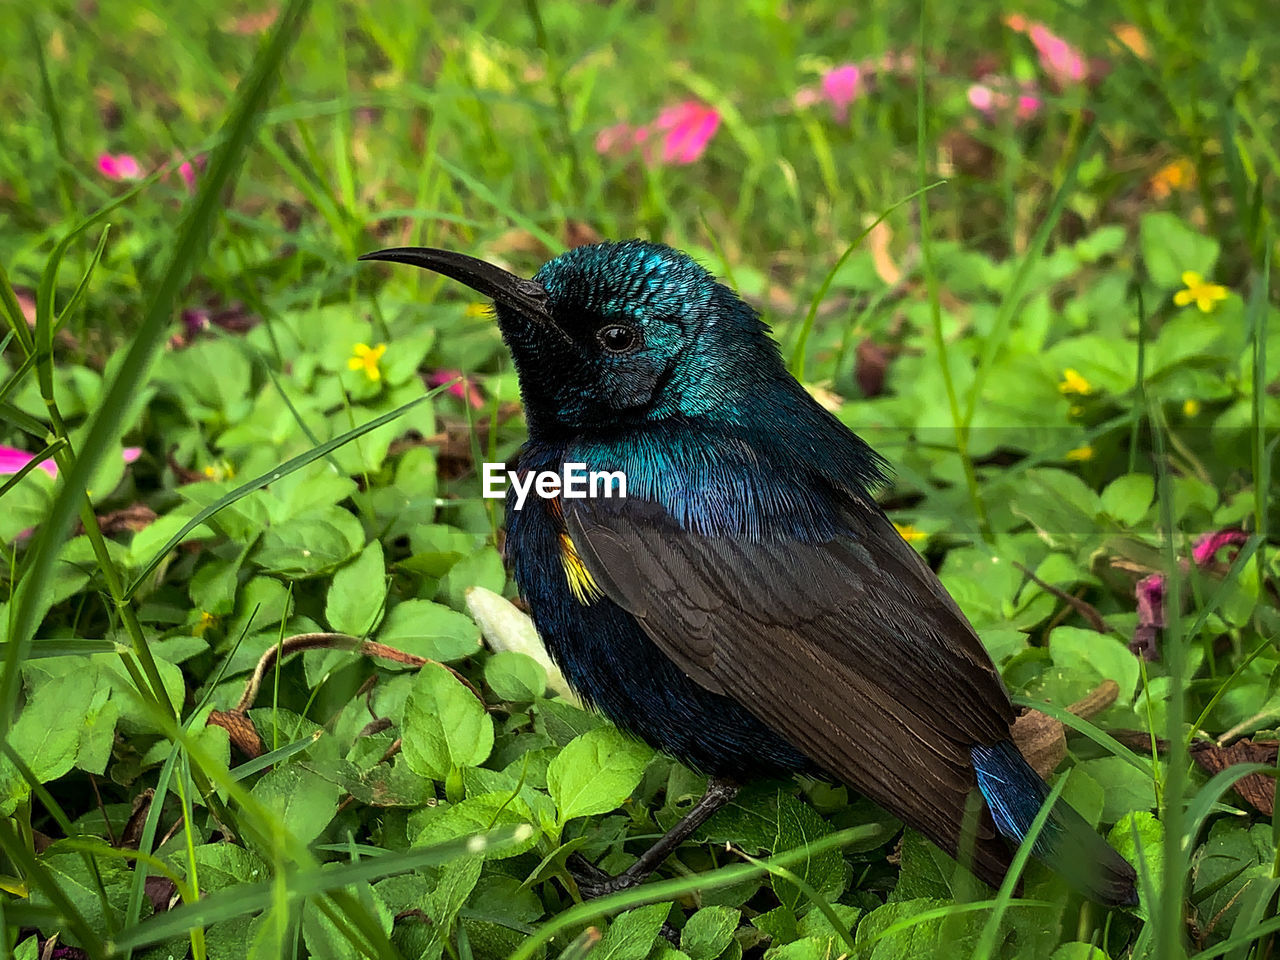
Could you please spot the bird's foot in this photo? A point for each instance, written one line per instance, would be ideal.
(593, 882)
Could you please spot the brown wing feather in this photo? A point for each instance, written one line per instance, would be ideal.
(861, 660)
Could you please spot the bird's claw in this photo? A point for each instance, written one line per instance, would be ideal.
(593, 882)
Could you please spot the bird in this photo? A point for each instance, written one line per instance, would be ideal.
(747, 607)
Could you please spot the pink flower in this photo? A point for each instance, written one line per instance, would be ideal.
(463, 390)
(1208, 545)
(119, 166)
(982, 98)
(996, 97)
(1064, 64)
(188, 174)
(615, 139)
(841, 87)
(687, 127)
(1150, 596)
(12, 460)
(684, 130)
(1060, 60)
(1028, 106)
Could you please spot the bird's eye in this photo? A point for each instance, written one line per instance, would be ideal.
(618, 338)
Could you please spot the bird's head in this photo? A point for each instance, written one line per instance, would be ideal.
(617, 333)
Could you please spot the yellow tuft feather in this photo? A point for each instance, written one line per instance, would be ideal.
(581, 584)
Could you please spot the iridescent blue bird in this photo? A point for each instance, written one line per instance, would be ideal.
(747, 608)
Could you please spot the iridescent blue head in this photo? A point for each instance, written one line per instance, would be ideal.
(615, 333)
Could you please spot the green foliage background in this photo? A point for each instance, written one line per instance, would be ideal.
(1059, 424)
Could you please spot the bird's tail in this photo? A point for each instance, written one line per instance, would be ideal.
(1067, 844)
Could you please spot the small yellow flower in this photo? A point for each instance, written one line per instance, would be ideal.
(222, 470)
(1081, 453)
(207, 620)
(1190, 408)
(364, 357)
(1072, 382)
(1203, 295)
(477, 309)
(910, 533)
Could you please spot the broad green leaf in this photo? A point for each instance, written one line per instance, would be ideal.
(1128, 498)
(632, 934)
(356, 595)
(1235, 856)
(805, 948)
(71, 873)
(515, 677)
(303, 546)
(482, 568)
(798, 827)
(1136, 831)
(430, 630)
(303, 802)
(1077, 950)
(445, 726)
(596, 772)
(326, 942)
(1098, 656)
(708, 932)
(1126, 787)
(474, 815)
(1170, 247)
(226, 864)
(816, 924)
(453, 886)
(940, 937)
(48, 732)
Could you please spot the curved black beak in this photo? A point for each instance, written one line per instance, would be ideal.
(505, 289)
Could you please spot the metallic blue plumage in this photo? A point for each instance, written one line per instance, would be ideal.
(748, 608)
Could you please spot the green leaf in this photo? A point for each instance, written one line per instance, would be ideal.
(799, 826)
(632, 934)
(515, 677)
(223, 865)
(1140, 829)
(563, 720)
(1127, 499)
(596, 772)
(71, 873)
(445, 726)
(940, 937)
(1170, 247)
(1127, 788)
(303, 546)
(357, 594)
(326, 942)
(1095, 656)
(466, 818)
(805, 948)
(302, 801)
(430, 630)
(453, 886)
(1076, 950)
(482, 568)
(708, 932)
(815, 924)
(47, 733)
(1235, 856)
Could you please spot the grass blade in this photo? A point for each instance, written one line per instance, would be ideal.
(186, 253)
